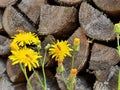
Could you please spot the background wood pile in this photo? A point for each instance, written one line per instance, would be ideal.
(90, 20)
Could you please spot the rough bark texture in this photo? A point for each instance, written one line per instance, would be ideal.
(57, 20)
(51, 81)
(13, 20)
(14, 72)
(95, 24)
(4, 45)
(80, 56)
(5, 3)
(108, 81)
(103, 57)
(112, 7)
(31, 8)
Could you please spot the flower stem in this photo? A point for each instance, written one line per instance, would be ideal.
(73, 58)
(37, 75)
(43, 70)
(25, 73)
(119, 80)
(117, 39)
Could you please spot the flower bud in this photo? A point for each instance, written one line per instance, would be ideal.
(47, 46)
(73, 72)
(60, 67)
(117, 28)
(76, 44)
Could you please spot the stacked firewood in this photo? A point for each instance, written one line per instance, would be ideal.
(90, 20)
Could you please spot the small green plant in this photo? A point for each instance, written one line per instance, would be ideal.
(117, 32)
(22, 54)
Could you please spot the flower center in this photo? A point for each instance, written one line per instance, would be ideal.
(28, 56)
(59, 47)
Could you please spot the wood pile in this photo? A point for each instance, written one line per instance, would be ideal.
(90, 20)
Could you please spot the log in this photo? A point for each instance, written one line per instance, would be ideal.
(48, 40)
(103, 57)
(51, 81)
(2, 66)
(1, 15)
(81, 83)
(57, 21)
(5, 3)
(82, 55)
(111, 7)
(21, 86)
(110, 82)
(31, 9)
(13, 20)
(95, 24)
(4, 45)
(5, 83)
(14, 72)
(69, 2)
(101, 86)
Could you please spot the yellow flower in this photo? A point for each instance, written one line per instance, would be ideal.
(14, 46)
(24, 38)
(73, 72)
(60, 50)
(25, 56)
(76, 41)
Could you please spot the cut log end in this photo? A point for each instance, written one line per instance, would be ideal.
(13, 20)
(95, 24)
(110, 6)
(56, 20)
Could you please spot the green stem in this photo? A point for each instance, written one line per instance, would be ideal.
(117, 39)
(73, 58)
(43, 70)
(119, 80)
(25, 73)
(37, 75)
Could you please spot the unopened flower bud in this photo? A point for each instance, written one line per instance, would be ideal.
(76, 44)
(76, 41)
(117, 28)
(60, 67)
(73, 72)
(47, 46)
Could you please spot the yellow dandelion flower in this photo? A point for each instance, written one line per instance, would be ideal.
(60, 50)
(24, 38)
(25, 56)
(14, 46)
